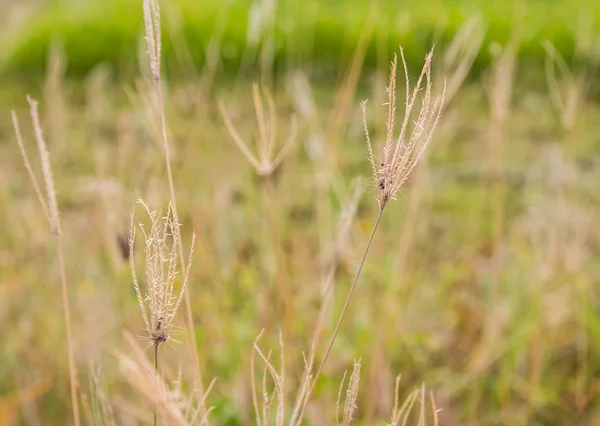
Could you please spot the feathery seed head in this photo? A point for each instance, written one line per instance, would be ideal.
(401, 154)
(161, 245)
(152, 27)
(266, 160)
(351, 395)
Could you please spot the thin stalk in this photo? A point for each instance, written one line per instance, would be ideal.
(67, 314)
(156, 371)
(188, 305)
(342, 314)
(272, 228)
(50, 207)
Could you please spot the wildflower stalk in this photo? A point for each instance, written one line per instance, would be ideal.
(265, 158)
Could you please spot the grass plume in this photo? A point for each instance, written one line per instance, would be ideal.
(268, 157)
(400, 156)
(50, 208)
(152, 25)
(161, 247)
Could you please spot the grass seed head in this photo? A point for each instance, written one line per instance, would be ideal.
(267, 157)
(401, 154)
(159, 304)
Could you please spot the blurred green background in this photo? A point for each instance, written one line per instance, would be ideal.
(308, 34)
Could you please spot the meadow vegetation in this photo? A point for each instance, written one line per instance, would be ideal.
(218, 298)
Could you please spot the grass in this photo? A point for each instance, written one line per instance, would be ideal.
(479, 283)
(50, 208)
(433, 310)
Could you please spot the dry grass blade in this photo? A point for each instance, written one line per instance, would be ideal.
(278, 381)
(401, 414)
(339, 397)
(460, 55)
(352, 394)
(305, 384)
(142, 376)
(253, 381)
(102, 411)
(434, 409)
(422, 401)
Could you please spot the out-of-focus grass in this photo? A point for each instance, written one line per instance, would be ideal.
(315, 34)
(435, 303)
(431, 307)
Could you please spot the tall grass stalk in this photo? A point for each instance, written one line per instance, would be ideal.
(265, 158)
(153, 39)
(567, 89)
(455, 65)
(500, 96)
(400, 156)
(50, 207)
(161, 247)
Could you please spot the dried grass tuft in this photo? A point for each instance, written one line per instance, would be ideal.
(352, 394)
(171, 404)
(161, 248)
(402, 414)
(268, 157)
(401, 154)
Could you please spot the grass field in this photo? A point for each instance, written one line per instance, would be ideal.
(482, 279)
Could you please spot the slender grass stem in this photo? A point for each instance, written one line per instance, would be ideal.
(50, 207)
(342, 314)
(69, 332)
(156, 371)
(188, 305)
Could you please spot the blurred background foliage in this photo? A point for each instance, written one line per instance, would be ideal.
(310, 34)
